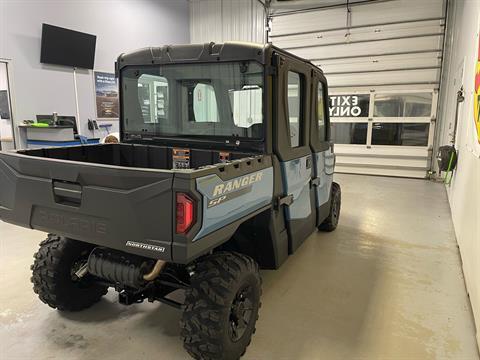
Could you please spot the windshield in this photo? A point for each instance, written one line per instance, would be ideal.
(189, 100)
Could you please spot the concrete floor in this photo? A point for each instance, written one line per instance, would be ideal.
(387, 284)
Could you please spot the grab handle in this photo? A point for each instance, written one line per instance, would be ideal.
(67, 193)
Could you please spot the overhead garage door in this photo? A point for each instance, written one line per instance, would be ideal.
(382, 60)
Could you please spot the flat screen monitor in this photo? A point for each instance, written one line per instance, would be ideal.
(68, 121)
(67, 47)
(45, 119)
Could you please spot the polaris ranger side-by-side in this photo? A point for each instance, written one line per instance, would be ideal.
(224, 165)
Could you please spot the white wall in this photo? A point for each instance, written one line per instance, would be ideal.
(464, 191)
(227, 20)
(120, 26)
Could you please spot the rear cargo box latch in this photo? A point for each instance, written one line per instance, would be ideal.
(67, 193)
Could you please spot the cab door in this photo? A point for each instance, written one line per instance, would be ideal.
(322, 148)
(293, 149)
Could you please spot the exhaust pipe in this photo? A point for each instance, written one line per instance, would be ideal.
(121, 268)
(157, 269)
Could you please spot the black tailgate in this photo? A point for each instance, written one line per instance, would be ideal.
(122, 208)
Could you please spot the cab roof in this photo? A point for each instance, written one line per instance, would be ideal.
(208, 52)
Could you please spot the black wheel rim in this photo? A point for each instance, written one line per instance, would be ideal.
(336, 209)
(241, 313)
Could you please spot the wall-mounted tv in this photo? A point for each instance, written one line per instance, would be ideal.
(62, 46)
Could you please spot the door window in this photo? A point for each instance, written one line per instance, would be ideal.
(295, 109)
(321, 112)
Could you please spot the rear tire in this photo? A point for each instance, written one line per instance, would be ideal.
(221, 306)
(53, 275)
(331, 222)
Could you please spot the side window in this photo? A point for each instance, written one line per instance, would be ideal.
(204, 103)
(295, 108)
(321, 112)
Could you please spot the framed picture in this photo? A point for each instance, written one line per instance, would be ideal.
(106, 95)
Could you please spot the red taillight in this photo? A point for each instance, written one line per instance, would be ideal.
(185, 213)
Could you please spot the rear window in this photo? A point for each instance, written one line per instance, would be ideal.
(194, 100)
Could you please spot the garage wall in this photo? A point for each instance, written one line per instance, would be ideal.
(120, 26)
(464, 191)
(227, 20)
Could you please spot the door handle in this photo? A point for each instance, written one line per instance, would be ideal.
(283, 200)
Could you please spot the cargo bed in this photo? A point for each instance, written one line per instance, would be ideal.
(107, 194)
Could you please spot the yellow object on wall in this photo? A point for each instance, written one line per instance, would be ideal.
(476, 95)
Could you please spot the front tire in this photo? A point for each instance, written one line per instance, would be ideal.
(331, 222)
(53, 275)
(221, 306)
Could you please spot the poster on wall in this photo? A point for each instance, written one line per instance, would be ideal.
(349, 105)
(106, 95)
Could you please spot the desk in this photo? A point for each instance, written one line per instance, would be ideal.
(49, 133)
